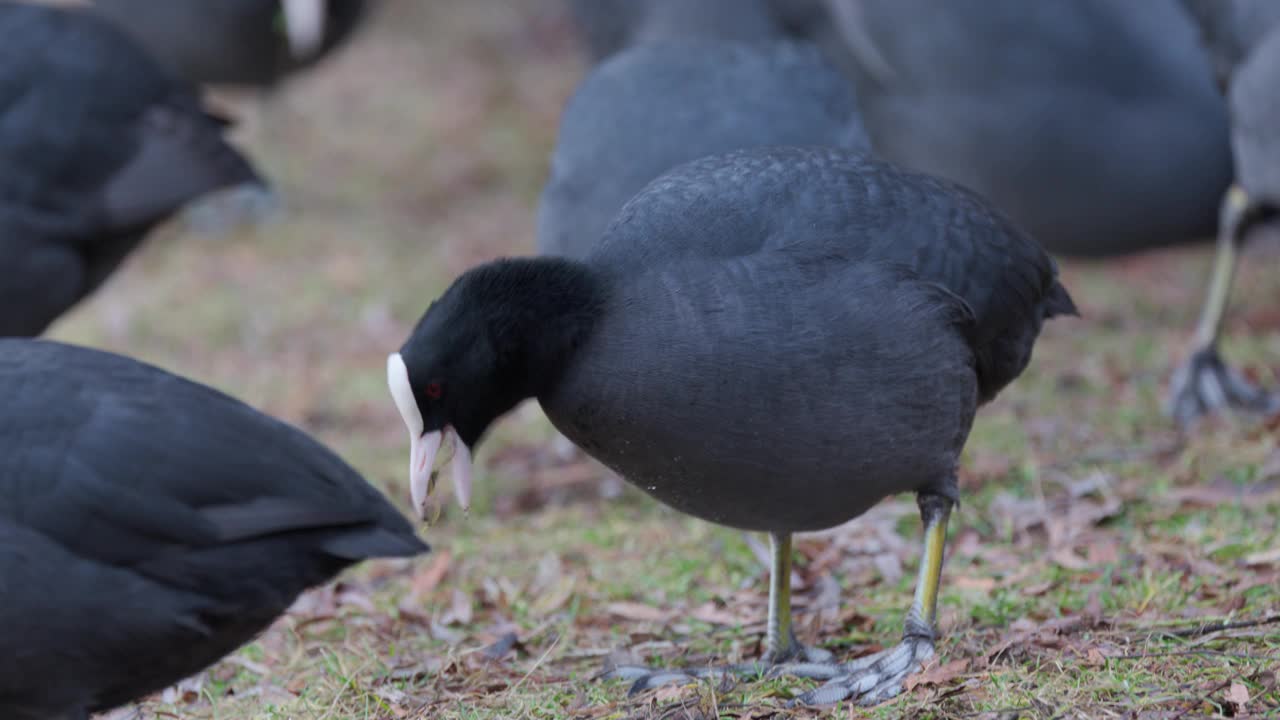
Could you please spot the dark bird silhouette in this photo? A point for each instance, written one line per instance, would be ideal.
(682, 81)
(237, 42)
(150, 526)
(650, 108)
(774, 339)
(97, 146)
(1244, 39)
(1094, 124)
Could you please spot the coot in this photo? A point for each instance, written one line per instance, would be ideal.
(1247, 33)
(774, 339)
(97, 145)
(150, 525)
(237, 42)
(690, 79)
(1094, 124)
(1231, 29)
(657, 105)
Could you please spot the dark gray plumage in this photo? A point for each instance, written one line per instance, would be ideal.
(610, 26)
(97, 145)
(1245, 39)
(1094, 124)
(773, 339)
(1255, 120)
(150, 525)
(652, 107)
(232, 42)
(1231, 29)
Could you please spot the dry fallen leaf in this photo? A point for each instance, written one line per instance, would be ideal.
(427, 580)
(1265, 557)
(709, 612)
(966, 582)
(937, 674)
(459, 611)
(1238, 695)
(636, 611)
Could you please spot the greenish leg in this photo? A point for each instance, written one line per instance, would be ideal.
(876, 678)
(869, 680)
(779, 639)
(935, 511)
(1224, 268)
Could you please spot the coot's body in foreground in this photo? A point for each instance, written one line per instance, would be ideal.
(236, 42)
(1094, 124)
(1245, 32)
(774, 339)
(98, 144)
(150, 525)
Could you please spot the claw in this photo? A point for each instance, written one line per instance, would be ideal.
(875, 678)
(1205, 384)
(658, 679)
(816, 664)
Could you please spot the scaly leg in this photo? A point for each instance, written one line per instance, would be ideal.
(868, 680)
(1204, 383)
(781, 645)
(876, 678)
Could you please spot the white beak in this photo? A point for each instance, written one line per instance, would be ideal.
(304, 26)
(425, 446)
(423, 450)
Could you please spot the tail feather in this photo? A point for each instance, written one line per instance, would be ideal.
(357, 545)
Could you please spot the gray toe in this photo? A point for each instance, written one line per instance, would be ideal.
(658, 679)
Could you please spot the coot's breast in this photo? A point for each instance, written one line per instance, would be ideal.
(750, 394)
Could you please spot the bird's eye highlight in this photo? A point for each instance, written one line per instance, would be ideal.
(434, 391)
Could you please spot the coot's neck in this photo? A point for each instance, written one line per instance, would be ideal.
(547, 309)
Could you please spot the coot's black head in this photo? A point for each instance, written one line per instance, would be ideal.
(495, 337)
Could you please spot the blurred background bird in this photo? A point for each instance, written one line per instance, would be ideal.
(236, 42)
(98, 145)
(1244, 43)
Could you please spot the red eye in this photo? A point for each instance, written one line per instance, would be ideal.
(434, 390)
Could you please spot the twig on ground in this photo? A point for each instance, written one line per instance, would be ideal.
(1210, 628)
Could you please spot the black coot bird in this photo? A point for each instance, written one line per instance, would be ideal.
(684, 87)
(97, 145)
(237, 42)
(690, 79)
(1244, 37)
(1094, 124)
(658, 104)
(775, 339)
(150, 525)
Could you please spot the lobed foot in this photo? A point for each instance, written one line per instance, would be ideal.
(800, 662)
(873, 679)
(1205, 384)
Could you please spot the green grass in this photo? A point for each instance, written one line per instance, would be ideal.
(1091, 533)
